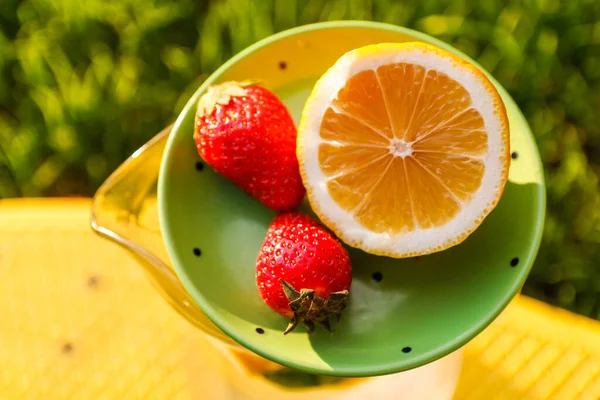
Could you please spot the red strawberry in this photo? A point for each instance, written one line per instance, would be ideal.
(303, 272)
(246, 134)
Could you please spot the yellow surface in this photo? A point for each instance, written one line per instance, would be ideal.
(80, 320)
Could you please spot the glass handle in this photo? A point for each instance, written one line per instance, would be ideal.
(124, 210)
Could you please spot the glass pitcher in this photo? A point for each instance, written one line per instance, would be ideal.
(124, 211)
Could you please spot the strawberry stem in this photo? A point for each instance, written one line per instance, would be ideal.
(221, 94)
(310, 309)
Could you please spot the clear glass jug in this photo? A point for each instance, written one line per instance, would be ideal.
(124, 211)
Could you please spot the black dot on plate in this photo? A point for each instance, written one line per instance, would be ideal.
(514, 155)
(406, 350)
(199, 166)
(260, 331)
(67, 348)
(514, 262)
(282, 65)
(377, 276)
(197, 252)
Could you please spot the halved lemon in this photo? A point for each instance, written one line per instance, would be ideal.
(403, 148)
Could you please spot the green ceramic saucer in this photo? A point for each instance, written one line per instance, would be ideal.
(403, 313)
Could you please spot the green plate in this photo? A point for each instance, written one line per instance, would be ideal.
(421, 309)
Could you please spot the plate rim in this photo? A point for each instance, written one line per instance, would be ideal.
(526, 261)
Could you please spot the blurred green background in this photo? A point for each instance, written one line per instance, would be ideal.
(85, 83)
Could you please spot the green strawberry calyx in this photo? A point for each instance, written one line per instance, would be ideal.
(310, 309)
(221, 94)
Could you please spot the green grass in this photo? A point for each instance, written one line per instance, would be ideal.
(85, 83)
